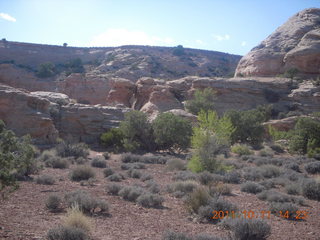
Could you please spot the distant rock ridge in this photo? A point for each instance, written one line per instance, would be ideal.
(294, 45)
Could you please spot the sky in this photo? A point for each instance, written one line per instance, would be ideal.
(232, 26)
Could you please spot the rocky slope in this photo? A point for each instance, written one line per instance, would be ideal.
(294, 45)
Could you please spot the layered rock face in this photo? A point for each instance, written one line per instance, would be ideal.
(294, 45)
(47, 116)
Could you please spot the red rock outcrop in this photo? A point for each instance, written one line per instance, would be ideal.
(294, 45)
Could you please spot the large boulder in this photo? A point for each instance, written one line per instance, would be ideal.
(27, 114)
(294, 45)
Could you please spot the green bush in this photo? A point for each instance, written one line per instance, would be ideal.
(46, 70)
(17, 159)
(183, 187)
(137, 132)
(115, 177)
(197, 198)
(209, 139)
(134, 173)
(113, 139)
(285, 207)
(248, 125)
(57, 162)
(241, 149)
(108, 172)
(171, 132)
(82, 173)
(176, 164)
(178, 50)
(202, 100)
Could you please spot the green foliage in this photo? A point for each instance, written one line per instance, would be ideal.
(202, 100)
(113, 139)
(241, 149)
(171, 132)
(74, 66)
(291, 73)
(75, 150)
(178, 50)
(82, 173)
(46, 70)
(306, 136)
(16, 158)
(137, 132)
(248, 125)
(210, 138)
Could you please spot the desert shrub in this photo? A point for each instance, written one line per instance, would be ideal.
(220, 189)
(67, 233)
(206, 237)
(293, 166)
(197, 198)
(269, 171)
(17, 159)
(115, 177)
(82, 173)
(171, 132)
(311, 189)
(248, 229)
(176, 164)
(182, 186)
(45, 180)
(134, 173)
(266, 160)
(153, 187)
(135, 165)
(57, 162)
(113, 139)
(210, 138)
(130, 193)
(98, 163)
(284, 207)
(215, 204)
(266, 152)
(86, 203)
(202, 100)
(145, 177)
(108, 172)
(268, 184)
(251, 187)
(114, 188)
(273, 196)
(75, 150)
(241, 149)
(137, 132)
(76, 219)
(150, 200)
(232, 177)
(205, 177)
(81, 160)
(184, 175)
(53, 202)
(153, 159)
(313, 167)
(252, 174)
(106, 155)
(248, 125)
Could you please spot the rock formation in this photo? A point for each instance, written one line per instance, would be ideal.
(294, 45)
(46, 116)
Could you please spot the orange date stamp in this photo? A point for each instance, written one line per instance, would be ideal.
(297, 215)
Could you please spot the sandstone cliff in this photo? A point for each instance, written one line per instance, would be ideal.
(294, 45)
